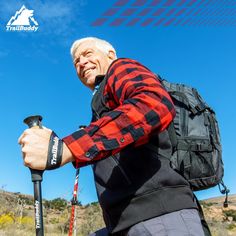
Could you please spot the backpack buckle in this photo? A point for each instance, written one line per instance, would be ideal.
(200, 107)
(193, 110)
(198, 147)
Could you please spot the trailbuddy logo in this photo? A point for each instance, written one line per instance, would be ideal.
(23, 20)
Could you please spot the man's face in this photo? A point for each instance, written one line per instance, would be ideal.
(90, 62)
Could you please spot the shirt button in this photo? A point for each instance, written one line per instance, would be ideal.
(87, 154)
(122, 140)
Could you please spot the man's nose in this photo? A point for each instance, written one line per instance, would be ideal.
(81, 64)
(83, 60)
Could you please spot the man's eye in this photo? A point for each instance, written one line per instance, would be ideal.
(76, 61)
(89, 53)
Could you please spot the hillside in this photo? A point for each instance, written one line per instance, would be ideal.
(17, 216)
(222, 221)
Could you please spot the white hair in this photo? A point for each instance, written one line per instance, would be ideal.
(101, 44)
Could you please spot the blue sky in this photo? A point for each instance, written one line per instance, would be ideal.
(37, 77)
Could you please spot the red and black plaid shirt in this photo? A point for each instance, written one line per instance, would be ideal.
(139, 107)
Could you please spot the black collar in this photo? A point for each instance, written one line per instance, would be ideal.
(99, 79)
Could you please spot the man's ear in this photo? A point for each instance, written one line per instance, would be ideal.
(111, 55)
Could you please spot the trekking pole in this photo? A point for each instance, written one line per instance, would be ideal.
(34, 122)
(74, 200)
(74, 203)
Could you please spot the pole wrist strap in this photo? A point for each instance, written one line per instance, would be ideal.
(55, 150)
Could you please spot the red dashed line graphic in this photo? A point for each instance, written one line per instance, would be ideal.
(168, 13)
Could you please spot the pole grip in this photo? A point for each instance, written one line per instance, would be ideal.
(35, 122)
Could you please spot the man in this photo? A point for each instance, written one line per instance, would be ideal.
(140, 194)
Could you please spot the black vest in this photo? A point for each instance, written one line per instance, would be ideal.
(137, 184)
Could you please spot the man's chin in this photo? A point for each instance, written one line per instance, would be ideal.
(90, 81)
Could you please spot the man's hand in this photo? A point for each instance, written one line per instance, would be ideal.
(34, 144)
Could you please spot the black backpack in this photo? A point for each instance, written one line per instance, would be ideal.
(195, 138)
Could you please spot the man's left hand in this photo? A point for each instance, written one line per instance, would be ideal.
(34, 145)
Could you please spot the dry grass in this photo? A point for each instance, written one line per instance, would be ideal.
(17, 216)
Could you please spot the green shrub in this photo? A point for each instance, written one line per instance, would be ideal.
(57, 204)
(207, 204)
(231, 226)
(27, 200)
(54, 221)
(230, 213)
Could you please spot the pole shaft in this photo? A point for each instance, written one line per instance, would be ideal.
(38, 208)
(34, 122)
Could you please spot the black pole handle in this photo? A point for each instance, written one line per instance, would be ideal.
(35, 122)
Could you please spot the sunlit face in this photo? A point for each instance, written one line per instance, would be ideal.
(90, 62)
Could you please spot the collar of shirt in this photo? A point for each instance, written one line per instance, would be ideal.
(98, 80)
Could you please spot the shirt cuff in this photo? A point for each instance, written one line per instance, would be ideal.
(82, 147)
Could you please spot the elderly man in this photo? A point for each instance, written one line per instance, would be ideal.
(140, 194)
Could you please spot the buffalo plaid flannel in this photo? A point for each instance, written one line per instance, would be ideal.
(140, 106)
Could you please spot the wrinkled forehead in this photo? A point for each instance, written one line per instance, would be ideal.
(84, 46)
